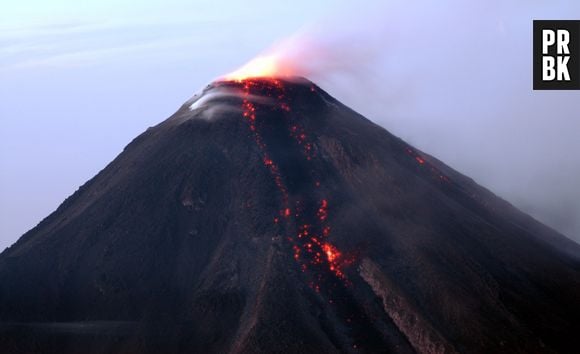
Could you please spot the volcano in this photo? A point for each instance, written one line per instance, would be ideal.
(264, 216)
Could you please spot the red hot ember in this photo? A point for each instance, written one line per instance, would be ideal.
(308, 249)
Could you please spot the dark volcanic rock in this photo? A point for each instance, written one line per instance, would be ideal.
(270, 218)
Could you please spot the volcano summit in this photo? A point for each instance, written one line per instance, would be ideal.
(264, 216)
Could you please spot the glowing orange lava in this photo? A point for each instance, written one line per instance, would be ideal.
(308, 248)
(435, 172)
(332, 254)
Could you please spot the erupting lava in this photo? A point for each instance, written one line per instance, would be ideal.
(435, 172)
(311, 248)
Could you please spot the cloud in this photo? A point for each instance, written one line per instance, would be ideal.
(61, 45)
(97, 56)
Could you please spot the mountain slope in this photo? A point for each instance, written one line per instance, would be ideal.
(265, 216)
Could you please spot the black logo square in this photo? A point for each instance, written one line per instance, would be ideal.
(556, 55)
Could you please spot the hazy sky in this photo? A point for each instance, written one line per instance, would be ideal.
(80, 79)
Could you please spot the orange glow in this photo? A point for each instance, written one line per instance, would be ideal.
(322, 211)
(311, 247)
(436, 173)
(270, 65)
(331, 252)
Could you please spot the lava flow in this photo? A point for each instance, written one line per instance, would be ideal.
(435, 172)
(310, 245)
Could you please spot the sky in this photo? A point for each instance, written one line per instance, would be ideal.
(80, 79)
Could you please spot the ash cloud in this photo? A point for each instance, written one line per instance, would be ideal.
(454, 79)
